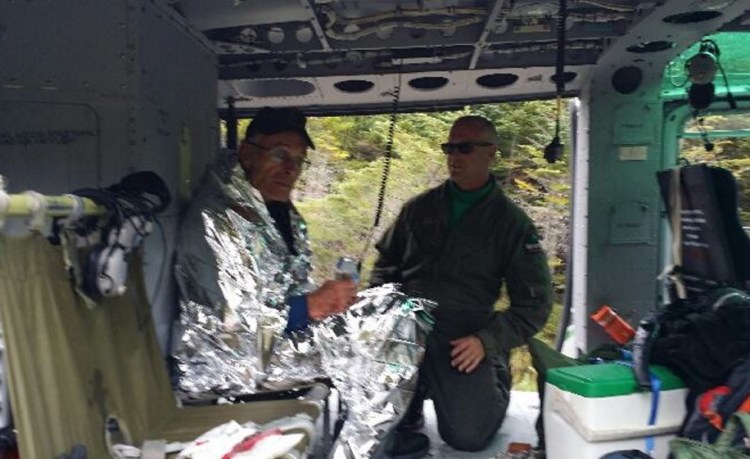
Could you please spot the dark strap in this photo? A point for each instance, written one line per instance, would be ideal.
(648, 330)
(285, 227)
(280, 213)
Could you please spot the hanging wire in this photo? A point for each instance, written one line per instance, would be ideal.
(730, 96)
(707, 144)
(560, 61)
(388, 153)
(553, 151)
(387, 157)
(711, 47)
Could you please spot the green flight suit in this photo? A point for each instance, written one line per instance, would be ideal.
(463, 270)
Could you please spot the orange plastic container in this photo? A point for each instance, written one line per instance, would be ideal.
(613, 324)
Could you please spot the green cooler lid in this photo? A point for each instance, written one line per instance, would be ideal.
(606, 379)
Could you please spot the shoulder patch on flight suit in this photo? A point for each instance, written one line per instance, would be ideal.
(532, 242)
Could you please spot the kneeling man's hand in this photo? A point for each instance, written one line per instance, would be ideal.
(466, 354)
(333, 297)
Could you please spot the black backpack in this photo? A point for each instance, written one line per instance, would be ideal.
(702, 339)
(705, 341)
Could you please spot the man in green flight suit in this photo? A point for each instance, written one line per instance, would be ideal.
(456, 244)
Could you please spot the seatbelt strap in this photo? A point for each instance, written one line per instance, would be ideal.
(655, 392)
(675, 196)
(655, 389)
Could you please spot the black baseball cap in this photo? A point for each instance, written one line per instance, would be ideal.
(271, 120)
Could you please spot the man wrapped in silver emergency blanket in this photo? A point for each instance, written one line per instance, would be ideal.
(237, 275)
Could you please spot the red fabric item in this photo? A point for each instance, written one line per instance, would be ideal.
(707, 403)
(249, 442)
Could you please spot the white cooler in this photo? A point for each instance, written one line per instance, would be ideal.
(592, 410)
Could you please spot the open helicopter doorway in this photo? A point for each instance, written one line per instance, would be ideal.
(338, 192)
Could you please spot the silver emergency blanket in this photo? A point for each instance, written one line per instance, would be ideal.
(236, 273)
(372, 353)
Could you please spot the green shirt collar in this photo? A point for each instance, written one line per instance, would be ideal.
(461, 201)
(470, 197)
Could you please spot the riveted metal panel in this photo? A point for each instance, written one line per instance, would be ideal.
(49, 147)
(91, 91)
(73, 47)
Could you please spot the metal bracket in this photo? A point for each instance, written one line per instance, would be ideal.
(37, 210)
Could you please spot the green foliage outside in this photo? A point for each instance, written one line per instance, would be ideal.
(338, 194)
(730, 136)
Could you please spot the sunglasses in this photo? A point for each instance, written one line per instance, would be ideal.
(280, 155)
(462, 147)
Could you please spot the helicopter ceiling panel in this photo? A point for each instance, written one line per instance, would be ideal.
(293, 52)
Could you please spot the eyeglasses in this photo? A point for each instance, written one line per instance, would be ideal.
(280, 154)
(462, 147)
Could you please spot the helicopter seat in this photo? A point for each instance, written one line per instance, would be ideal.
(712, 249)
(92, 377)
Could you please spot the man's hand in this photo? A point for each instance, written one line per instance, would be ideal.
(333, 297)
(466, 354)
